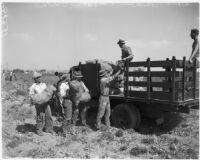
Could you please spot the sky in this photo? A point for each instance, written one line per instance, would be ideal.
(59, 35)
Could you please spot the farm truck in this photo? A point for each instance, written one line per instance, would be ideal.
(168, 86)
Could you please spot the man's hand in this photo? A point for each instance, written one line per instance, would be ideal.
(120, 65)
(190, 60)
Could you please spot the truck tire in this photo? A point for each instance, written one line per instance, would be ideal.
(135, 110)
(126, 116)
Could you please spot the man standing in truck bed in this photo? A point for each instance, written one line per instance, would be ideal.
(127, 55)
(195, 46)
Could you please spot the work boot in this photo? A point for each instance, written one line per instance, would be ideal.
(98, 124)
(64, 133)
(107, 121)
(51, 132)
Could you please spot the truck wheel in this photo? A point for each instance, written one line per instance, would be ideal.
(126, 116)
(135, 110)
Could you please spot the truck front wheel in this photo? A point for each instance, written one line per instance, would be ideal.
(126, 116)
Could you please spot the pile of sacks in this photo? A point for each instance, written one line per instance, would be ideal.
(44, 96)
(110, 67)
(104, 65)
(77, 93)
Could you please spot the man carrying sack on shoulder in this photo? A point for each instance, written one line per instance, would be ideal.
(43, 110)
(79, 94)
(65, 103)
(127, 54)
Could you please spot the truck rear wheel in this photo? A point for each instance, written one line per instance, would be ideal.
(126, 116)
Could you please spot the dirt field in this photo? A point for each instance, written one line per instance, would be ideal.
(178, 138)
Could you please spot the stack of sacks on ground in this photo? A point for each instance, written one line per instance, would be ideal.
(77, 93)
(44, 96)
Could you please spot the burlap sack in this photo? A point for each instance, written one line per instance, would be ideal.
(75, 90)
(104, 65)
(45, 96)
(85, 97)
(77, 93)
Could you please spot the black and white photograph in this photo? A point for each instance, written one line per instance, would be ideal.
(100, 80)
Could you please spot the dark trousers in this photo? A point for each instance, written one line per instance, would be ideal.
(44, 118)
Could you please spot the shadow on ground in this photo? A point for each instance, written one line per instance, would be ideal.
(26, 128)
(147, 126)
(171, 121)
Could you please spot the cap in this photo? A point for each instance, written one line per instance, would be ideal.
(121, 41)
(196, 31)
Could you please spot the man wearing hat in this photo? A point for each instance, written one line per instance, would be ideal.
(44, 116)
(65, 102)
(127, 55)
(195, 46)
(77, 76)
(104, 101)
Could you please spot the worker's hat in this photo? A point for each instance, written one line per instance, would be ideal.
(121, 41)
(37, 75)
(102, 73)
(196, 31)
(77, 74)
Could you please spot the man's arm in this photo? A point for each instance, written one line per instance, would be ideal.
(84, 86)
(194, 52)
(111, 78)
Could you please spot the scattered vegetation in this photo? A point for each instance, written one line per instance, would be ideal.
(178, 139)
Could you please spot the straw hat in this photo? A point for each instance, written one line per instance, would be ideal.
(37, 75)
(77, 74)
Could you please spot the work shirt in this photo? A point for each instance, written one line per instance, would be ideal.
(195, 48)
(63, 89)
(105, 84)
(126, 51)
(37, 88)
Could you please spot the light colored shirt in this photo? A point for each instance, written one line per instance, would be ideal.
(105, 84)
(37, 88)
(64, 87)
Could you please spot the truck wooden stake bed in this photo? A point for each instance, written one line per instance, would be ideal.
(167, 86)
